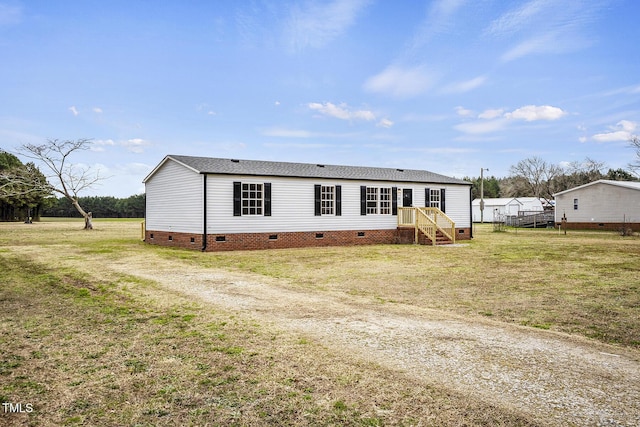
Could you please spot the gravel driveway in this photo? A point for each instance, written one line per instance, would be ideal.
(556, 378)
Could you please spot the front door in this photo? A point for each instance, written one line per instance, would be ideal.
(407, 198)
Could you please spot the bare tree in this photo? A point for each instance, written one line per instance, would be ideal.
(23, 181)
(635, 144)
(537, 174)
(578, 173)
(68, 179)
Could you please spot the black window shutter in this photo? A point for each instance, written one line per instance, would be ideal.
(394, 200)
(267, 199)
(363, 200)
(338, 200)
(237, 199)
(427, 197)
(318, 201)
(442, 199)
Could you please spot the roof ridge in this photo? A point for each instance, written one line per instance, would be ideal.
(211, 165)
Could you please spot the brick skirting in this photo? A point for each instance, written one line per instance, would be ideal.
(251, 241)
(608, 226)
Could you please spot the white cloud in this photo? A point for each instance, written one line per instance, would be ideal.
(319, 23)
(439, 20)
(530, 113)
(135, 169)
(511, 21)
(385, 123)
(97, 110)
(280, 132)
(627, 125)
(298, 145)
(98, 145)
(630, 90)
(461, 111)
(491, 114)
(493, 120)
(480, 127)
(545, 43)
(74, 110)
(412, 117)
(341, 111)
(277, 103)
(465, 86)
(205, 107)
(401, 82)
(546, 26)
(622, 131)
(287, 133)
(135, 145)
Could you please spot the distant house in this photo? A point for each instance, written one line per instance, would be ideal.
(218, 204)
(531, 205)
(602, 204)
(495, 208)
(502, 208)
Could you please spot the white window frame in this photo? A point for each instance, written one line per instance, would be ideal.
(385, 201)
(379, 201)
(372, 200)
(434, 198)
(327, 200)
(252, 199)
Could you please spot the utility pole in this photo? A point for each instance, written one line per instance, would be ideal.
(482, 194)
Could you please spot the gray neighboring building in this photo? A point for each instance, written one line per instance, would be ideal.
(602, 204)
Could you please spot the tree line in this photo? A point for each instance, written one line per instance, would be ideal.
(26, 194)
(99, 206)
(534, 177)
(22, 188)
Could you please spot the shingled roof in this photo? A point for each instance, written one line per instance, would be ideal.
(210, 165)
(633, 185)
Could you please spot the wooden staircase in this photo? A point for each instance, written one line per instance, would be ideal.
(432, 223)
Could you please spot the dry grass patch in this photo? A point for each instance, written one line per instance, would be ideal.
(584, 283)
(87, 346)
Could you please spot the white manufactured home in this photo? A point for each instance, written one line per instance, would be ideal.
(602, 204)
(218, 204)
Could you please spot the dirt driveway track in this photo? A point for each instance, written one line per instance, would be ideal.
(556, 378)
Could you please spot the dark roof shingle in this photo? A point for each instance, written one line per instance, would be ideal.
(212, 165)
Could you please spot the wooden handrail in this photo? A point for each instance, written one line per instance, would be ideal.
(427, 220)
(426, 224)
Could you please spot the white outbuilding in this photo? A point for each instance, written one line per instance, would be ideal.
(496, 208)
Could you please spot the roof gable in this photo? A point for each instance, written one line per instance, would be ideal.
(211, 165)
(496, 201)
(625, 184)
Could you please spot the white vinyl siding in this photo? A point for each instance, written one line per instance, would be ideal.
(174, 199)
(293, 205)
(457, 203)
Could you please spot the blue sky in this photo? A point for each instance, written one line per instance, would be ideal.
(447, 86)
